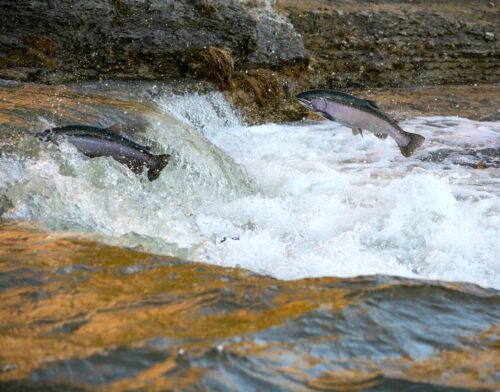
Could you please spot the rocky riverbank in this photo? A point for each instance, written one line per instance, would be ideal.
(261, 52)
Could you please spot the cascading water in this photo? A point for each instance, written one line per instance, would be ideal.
(67, 191)
(292, 201)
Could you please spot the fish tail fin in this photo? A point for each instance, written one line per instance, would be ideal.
(158, 164)
(415, 142)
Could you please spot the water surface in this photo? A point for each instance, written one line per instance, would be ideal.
(390, 265)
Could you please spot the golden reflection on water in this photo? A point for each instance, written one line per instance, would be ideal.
(73, 297)
(117, 309)
(24, 106)
(65, 296)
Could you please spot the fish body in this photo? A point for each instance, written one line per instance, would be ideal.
(359, 114)
(101, 142)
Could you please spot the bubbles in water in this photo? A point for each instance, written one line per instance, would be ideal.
(68, 191)
(207, 113)
(322, 202)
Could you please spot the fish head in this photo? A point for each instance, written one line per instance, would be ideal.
(315, 100)
(305, 99)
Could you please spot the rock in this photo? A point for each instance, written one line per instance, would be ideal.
(215, 64)
(245, 46)
(145, 39)
(5, 204)
(265, 85)
(489, 36)
(422, 44)
(277, 43)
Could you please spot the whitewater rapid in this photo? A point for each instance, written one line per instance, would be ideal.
(298, 200)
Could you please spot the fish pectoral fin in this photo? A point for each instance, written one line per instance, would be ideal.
(357, 131)
(116, 127)
(381, 135)
(326, 115)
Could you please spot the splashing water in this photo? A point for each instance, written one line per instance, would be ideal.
(332, 204)
(292, 201)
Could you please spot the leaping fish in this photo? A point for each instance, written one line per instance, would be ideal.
(103, 142)
(359, 114)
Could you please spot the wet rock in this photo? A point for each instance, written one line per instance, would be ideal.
(5, 204)
(265, 85)
(8, 368)
(272, 49)
(215, 64)
(480, 158)
(238, 44)
(127, 38)
(489, 36)
(424, 42)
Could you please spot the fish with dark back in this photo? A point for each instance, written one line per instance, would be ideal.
(359, 114)
(103, 142)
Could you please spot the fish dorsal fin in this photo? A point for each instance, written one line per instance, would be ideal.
(357, 131)
(116, 127)
(371, 103)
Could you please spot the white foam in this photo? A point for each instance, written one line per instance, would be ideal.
(323, 202)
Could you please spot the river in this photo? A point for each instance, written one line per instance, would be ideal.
(317, 259)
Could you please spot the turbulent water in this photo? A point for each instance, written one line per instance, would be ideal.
(90, 299)
(292, 201)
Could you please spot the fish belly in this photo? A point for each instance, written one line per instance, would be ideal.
(134, 159)
(356, 118)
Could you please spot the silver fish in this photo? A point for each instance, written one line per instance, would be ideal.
(102, 142)
(359, 114)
